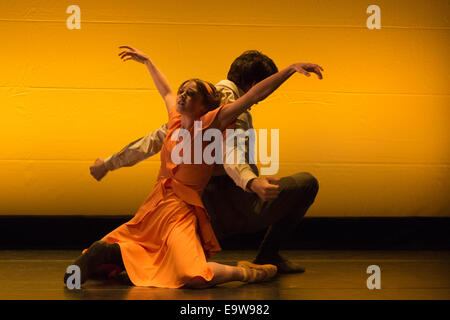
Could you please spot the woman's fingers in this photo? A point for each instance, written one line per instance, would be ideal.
(306, 73)
(126, 47)
(123, 54)
(317, 71)
(126, 52)
(129, 55)
(317, 67)
(311, 67)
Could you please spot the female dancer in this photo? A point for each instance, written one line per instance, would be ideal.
(168, 240)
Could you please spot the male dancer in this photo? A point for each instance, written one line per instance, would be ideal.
(240, 202)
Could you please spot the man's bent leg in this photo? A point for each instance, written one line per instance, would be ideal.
(234, 211)
(298, 192)
(229, 207)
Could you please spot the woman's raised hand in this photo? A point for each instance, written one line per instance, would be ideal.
(306, 68)
(132, 53)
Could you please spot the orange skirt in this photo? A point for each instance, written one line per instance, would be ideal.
(161, 245)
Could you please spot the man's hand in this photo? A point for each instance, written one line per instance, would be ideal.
(306, 68)
(264, 188)
(98, 170)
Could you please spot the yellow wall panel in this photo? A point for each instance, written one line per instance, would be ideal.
(358, 128)
(374, 131)
(47, 187)
(386, 61)
(65, 187)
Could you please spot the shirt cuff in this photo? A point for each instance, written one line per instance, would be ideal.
(108, 164)
(246, 176)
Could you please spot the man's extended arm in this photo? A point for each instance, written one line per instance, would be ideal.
(131, 154)
(138, 150)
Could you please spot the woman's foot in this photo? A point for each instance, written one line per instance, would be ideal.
(283, 265)
(257, 273)
(89, 262)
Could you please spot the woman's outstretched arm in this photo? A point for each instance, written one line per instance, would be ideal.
(262, 90)
(160, 80)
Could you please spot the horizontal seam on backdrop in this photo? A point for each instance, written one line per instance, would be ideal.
(303, 260)
(274, 95)
(287, 162)
(230, 24)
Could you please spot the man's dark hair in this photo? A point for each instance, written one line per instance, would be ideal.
(251, 67)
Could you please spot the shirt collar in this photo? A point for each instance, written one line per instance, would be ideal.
(232, 86)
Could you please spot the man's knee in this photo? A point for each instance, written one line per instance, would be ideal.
(301, 181)
(308, 180)
(299, 191)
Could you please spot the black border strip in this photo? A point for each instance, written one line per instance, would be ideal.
(225, 309)
(371, 233)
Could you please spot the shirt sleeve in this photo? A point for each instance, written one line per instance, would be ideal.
(227, 94)
(137, 150)
(241, 173)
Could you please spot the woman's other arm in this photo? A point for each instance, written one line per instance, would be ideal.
(160, 80)
(262, 90)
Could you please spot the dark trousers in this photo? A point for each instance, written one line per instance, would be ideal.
(235, 211)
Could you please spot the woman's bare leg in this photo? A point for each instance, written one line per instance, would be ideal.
(222, 273)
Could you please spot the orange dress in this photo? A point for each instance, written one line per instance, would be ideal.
(168, 240)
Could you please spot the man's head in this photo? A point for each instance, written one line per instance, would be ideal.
(250, 68)
(195, 97)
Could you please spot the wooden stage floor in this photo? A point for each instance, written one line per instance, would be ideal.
(329, 275)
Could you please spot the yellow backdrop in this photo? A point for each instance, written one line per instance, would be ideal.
(374, 131)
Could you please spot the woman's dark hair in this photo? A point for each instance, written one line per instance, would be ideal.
(250, 67)
(210, 101)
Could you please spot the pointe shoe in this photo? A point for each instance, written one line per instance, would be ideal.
(252, 272)
(283, 265)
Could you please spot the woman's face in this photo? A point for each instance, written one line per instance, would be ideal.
(189, 100)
